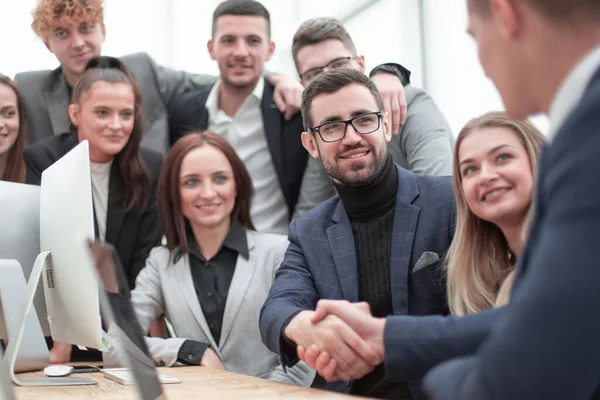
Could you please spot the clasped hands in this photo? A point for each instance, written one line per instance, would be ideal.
(341, 340)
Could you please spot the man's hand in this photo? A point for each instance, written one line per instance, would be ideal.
(353, 357)
(358, 317)
(210, 359)
(60, 353)
(394, 98)
(287, 95)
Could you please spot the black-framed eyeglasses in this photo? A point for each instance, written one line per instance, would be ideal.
(336, 130)
(340, 62)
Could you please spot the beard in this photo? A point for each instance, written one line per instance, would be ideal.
(359, 173)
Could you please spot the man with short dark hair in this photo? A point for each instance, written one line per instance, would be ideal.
(543, 56)
(423, 144)
(74, 32)
(380, 241)
(240, 108)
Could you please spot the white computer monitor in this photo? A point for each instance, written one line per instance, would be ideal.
(20, 235)
(66, 220)
(70, 283)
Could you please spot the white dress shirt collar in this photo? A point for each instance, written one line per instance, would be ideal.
(572, 89)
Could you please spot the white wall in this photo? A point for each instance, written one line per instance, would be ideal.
(175, 33)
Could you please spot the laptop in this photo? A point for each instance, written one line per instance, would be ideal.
(123, 340)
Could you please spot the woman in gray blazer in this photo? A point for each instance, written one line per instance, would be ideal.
(214, 274)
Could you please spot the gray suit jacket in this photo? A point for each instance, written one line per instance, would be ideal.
(424, 145)
(164, 287)
(45, 97)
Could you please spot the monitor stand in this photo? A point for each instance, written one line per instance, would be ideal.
(17, 333)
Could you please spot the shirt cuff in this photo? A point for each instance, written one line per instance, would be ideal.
(395, 69)
(191, 352)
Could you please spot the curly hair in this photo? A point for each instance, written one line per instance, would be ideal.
(52, 13)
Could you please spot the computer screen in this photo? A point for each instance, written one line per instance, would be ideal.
(127, 343)
(20, 235)
(66, 220)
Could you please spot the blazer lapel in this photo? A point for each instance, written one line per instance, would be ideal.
(341, 242)
(57, 100)
(183, 276)
(272, 124)
(115, 213)
(405, 224)
(240, 283)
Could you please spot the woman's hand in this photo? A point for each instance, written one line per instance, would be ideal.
(210, 359)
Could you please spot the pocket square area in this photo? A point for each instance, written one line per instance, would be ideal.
(427, 258)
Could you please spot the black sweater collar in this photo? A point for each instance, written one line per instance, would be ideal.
(374, 198)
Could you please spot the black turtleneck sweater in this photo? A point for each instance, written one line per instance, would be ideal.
(371, 211)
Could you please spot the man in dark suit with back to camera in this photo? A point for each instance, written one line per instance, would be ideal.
(380, 241)
(543, 56)
(74, 32)
(240, 108)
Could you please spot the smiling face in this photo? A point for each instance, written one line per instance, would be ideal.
(356, 159)
(105, 117)
(75, 45)
(207, 188)
(241, 46)
(496, 175)
(9, 119)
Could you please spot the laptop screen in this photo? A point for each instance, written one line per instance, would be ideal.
(124, 339)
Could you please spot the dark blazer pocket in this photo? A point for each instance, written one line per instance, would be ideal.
(427, 289)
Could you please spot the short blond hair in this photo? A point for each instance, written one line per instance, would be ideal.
(52, 13)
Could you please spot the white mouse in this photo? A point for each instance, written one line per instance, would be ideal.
(58, 370)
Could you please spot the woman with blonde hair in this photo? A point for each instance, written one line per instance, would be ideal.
(494, 166)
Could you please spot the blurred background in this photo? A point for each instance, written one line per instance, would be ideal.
(426, 36)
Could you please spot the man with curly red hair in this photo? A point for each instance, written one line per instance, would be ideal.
(74, 31)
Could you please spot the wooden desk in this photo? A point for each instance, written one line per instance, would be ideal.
(197, 382)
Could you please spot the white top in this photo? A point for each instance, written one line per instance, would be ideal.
(246, 133)
(571, 90)
(100, 179)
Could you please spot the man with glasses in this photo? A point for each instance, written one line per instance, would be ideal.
(380, 241)
(423, 144)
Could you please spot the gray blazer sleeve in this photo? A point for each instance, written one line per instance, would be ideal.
(300, 374)
(173, 83)
(316, 187)
(148, 303)
(425, 140)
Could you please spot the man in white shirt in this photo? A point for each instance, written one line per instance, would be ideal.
(240, 108)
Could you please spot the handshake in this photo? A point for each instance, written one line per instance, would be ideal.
(341, 340)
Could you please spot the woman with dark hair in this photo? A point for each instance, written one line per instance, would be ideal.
(213, 275)
(12, 132)
(106, 110)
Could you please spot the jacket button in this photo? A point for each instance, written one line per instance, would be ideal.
(161, 363)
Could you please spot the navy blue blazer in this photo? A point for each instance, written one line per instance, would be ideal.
(188, 113)
(320, 262)
(132, 233)
(546, 345)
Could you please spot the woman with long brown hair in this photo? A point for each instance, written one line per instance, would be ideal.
(106, 110)
(215, 272)
(12, 132)
(495, 162)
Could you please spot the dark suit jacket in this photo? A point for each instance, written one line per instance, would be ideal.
(133, 233)
(320, 262)
(188, 113)
(546, 343)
